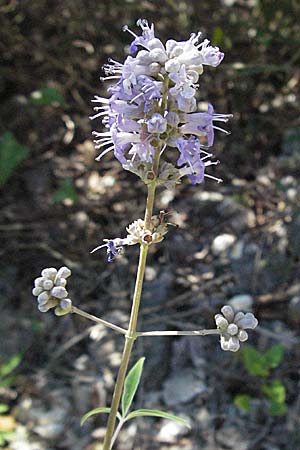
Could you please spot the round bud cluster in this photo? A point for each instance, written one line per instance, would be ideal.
(232, 327)
(50, 290)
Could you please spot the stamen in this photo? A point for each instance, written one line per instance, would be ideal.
(125, 28)
(104, 152)
(221, 129)
(218, 180)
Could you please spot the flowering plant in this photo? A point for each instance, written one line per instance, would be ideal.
(154, 130)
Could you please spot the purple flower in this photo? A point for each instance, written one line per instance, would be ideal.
(195, 158)
(201, 124)
(113, 247)
(156, 124)
(211, 56)
(153, 102)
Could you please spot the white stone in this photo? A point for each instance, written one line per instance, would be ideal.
(222, 242)
(241, 302)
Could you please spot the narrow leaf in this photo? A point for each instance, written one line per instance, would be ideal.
(92, 412)
(157, 413)
(131, 384)
(10, 365)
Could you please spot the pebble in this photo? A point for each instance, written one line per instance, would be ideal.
(181, 387)
(171, 431)
(222, 242)
(241, 302)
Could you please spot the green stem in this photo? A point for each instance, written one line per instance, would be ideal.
(131, 333)
(81, 313)
(177, 333)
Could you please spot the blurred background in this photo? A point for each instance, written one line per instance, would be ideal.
(236, 243)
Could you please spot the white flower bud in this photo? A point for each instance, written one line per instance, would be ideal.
(238, 316)
(158, 55)
(49, 273)
(37, 291)
(43, 297)
(66, 304)
(228, 313)
(155, 43)
(48, 284)
(232, 344)
(172, 65)
(154, 68)
(59, 292)
(63, 272)
(45, 307)
(248, 321)
(221, 322)
(232, 329)
(38, 282)
(243, 335)
(60, 282)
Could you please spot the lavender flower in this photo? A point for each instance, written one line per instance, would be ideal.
(232, 327)
(152, 106)
(137, 234)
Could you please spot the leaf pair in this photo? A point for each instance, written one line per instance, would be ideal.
(260, 364)
(130, 387)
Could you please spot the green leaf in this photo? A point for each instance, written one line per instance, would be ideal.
(3, 408)
(11, 155)
(92, 412)
(131, 384)
(157, 413)
(6, 436)
(255, 363)
(65, 191)
(10, 365)
(242, 402)
(274, 356)
(277, 409)
(47, 96)
(275, 391)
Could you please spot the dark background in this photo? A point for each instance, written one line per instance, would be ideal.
(58, 203)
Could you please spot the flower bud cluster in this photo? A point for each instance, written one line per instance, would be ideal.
(50, 290)
(232, 327)
(137, 234)
(153, 105)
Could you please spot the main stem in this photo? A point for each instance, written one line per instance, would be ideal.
(131, 332)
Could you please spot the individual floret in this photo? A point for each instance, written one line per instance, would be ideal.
(232, 327)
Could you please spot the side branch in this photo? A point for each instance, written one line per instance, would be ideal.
(98, 320)
(177, 333)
